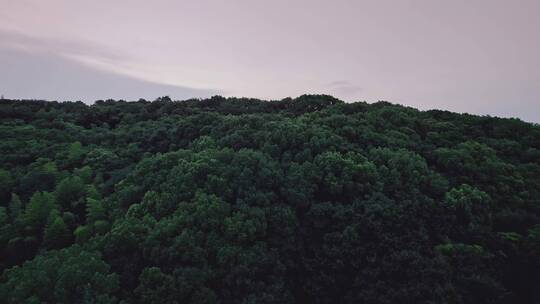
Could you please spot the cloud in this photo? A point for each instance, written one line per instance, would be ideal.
(21, 41)
(344, 88)
(51, 69)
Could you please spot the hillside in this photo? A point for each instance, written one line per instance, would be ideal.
(235, 200)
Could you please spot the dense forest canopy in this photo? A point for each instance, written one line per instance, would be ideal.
(227, 200)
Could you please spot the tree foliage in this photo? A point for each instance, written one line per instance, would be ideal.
(236, 200)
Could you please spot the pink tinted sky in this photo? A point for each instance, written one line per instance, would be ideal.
(468, 56)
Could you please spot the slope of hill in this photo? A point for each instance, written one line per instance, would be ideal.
(227, 200)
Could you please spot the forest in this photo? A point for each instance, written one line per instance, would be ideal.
(238, 200)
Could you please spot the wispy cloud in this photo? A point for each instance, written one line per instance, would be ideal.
(64, 70)
(344, 88)
(26, 42)
(104, 58)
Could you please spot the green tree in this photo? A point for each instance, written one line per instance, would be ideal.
(85, 173)
(42, 176)
(57, 234)
(101, 226)
(76, 153)
(157, 287)
(471, 209)
(94, 210)
(38, 209)
(83, 234)
(3, 217)
(6, 184)
(69, 192)
(15, 206)
(238, 200)
(60, 276)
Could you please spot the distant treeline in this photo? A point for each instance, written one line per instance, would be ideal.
(236, 200)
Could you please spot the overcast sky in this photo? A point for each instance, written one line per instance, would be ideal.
(480, 56)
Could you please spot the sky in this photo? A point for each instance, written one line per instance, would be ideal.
(475, 56)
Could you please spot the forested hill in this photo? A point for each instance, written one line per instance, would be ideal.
(226, 200)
